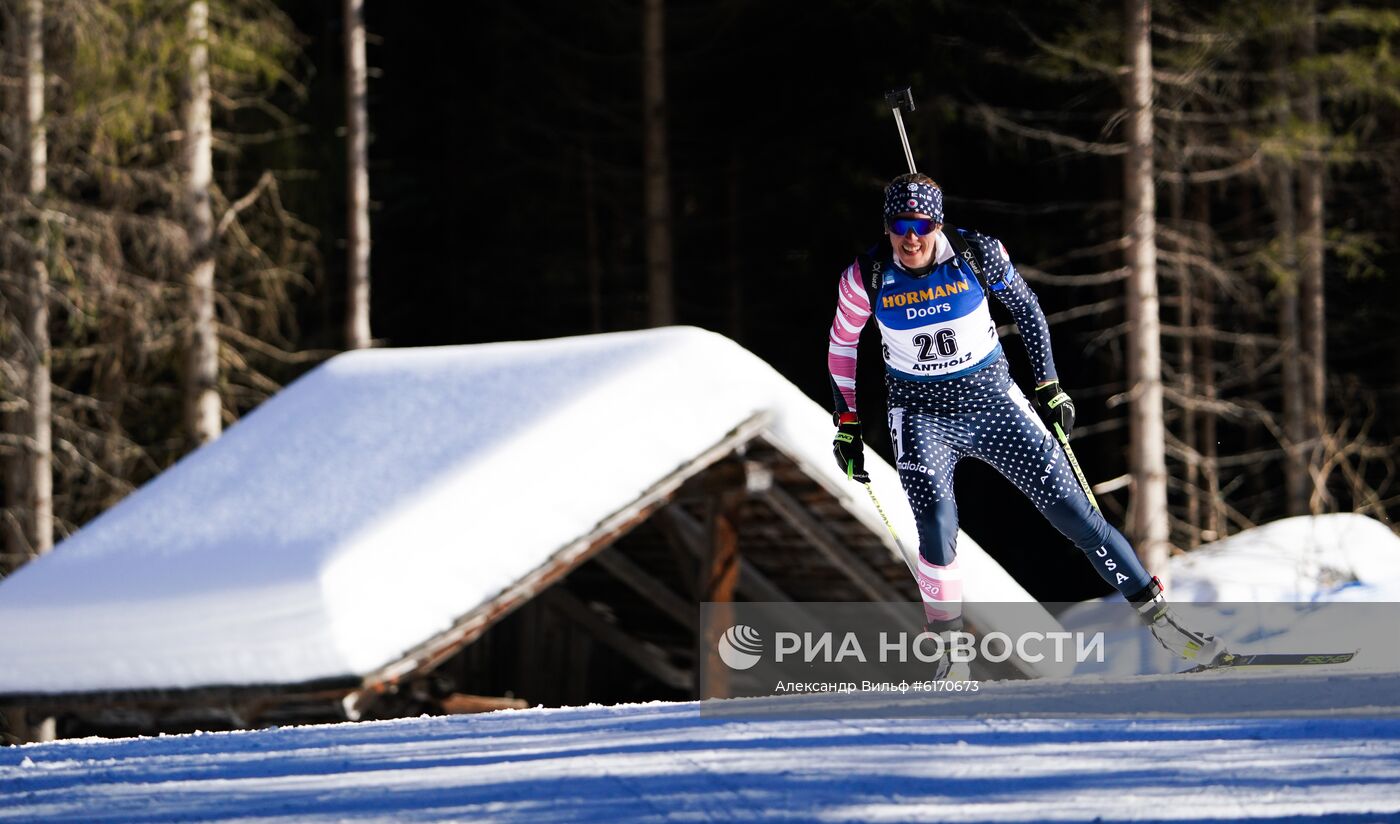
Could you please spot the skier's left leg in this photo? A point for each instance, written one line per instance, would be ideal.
(1018, 445)
(1023, 450)
(1108, 551)
(1114, 559)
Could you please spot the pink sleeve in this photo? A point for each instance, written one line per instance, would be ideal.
(852, 311)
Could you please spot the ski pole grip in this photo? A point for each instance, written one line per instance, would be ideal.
(900, 99)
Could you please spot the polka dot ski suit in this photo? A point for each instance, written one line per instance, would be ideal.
(939, 414)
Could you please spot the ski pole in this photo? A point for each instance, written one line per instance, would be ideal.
(880, 509)
(902, 99)
(1074, 463)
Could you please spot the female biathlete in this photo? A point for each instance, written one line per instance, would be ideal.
(951, 396)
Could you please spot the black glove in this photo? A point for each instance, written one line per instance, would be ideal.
(849, 450)
(1055, 407)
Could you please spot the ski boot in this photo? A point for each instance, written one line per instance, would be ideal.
(945, 668)
(1195, 647)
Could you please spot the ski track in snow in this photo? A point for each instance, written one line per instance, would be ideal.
(670, 762)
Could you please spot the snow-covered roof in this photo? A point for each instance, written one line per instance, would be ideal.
(387, 493)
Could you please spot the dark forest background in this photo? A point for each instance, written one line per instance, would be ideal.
(780, 143)
(506, 178)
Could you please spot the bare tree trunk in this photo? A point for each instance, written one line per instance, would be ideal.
(1281, 201)
(656, 192)
(203, 418)
(36, 471)
(1189, 433)
(1213, 516)
(357, 333)
(13, 529)
(36, 137)
(1312, 308)
(1215, 525)
(1249, 482)
(28, 531)
(1186, 367)
(1296, 477)
(39, 392)
(1148, 524)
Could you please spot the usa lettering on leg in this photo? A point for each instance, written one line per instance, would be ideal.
(1111, 565)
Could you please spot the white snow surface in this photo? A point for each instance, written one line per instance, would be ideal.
(1346, 565)
(386, 493)
(1338, 557)
(675, 763)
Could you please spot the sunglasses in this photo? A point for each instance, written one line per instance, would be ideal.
(902, 225)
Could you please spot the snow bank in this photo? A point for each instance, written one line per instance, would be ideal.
(1309, 558)
(386, 493)
(1326, 583)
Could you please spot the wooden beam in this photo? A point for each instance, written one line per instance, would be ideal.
(875, 587)
(753, 585)
(460, 703)
(721, 570)
(722, 549)
(653, 590)
(688, 532)
(649, 657)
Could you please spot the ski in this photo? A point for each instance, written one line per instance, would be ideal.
(1274, 659)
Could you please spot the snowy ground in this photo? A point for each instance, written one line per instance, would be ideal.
(673, 762)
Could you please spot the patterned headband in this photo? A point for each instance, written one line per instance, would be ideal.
(914, 197)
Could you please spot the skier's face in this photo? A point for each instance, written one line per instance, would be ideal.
(913, 250)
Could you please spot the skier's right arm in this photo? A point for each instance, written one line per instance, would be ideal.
(852, 312)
